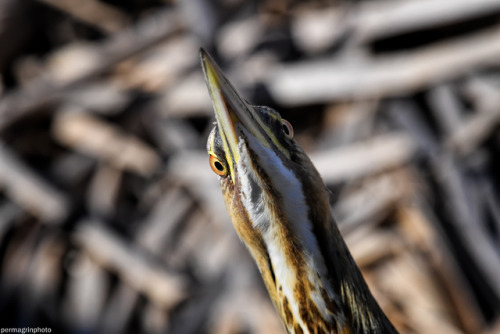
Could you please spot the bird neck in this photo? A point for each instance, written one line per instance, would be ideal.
(359, 307)
(325, 293)
(322, 291)
(319, 289)
(353, 308)
(309, 273)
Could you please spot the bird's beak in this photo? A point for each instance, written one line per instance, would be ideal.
(232, 112)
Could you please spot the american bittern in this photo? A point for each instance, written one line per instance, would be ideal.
(280, 208)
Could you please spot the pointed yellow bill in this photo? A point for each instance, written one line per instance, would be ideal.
(230, 110)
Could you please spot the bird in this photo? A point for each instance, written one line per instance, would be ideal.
(280, 209)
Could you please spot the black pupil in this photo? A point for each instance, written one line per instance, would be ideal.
(286, 130)
(219, 166)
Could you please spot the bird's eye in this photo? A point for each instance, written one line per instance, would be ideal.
(218, 166)
(287, 128)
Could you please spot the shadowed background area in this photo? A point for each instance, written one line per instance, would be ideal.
(111, 220)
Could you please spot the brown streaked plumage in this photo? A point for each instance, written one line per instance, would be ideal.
(280, 208)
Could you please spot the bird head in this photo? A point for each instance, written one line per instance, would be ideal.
(260, 165)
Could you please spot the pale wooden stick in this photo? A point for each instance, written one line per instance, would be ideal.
(120, 308)
(472, 131)
(164, 288)
(446, 107)
(327, 80)
(387, 18)
(370, 204)
(99, 14)
(29, 190)
(420, 227)
(157, 229)
(104, 190)
(360, 159)
(90, 135)
(86, 297)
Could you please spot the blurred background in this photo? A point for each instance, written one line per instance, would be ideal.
(111, 220)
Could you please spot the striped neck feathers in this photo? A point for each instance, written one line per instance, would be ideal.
(281, 211)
